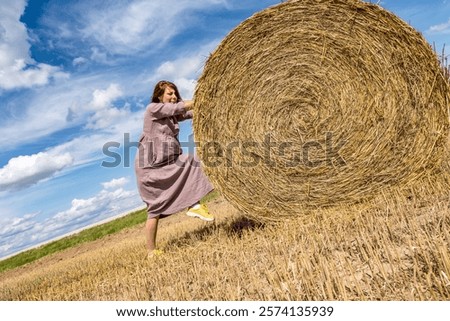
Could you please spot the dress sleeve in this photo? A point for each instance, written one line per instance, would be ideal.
(164, 110)
(187, 115)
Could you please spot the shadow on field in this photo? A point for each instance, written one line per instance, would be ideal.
(234, 228)
(242, 224)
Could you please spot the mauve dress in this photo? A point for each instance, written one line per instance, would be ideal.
(168, 180)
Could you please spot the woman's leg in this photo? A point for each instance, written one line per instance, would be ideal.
(151, 227)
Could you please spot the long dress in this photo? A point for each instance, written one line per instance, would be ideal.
(168, 180)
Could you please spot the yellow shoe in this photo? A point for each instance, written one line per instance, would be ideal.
(154, 253)
(201, 212)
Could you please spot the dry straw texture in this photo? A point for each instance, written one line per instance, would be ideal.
(394, 252)
(317, 103)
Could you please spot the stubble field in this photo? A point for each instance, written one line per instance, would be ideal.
(394, 250)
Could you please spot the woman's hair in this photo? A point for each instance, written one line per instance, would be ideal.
(161, 87)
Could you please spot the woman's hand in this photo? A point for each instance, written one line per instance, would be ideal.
(188, 104)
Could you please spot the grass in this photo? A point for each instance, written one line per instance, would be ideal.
(390, 251)
(210, 197)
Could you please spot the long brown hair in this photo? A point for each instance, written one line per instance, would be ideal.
(160, 87)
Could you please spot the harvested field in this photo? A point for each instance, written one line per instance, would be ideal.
(392, 252)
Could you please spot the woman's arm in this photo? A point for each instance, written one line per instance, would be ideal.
(189, 104)
(187, 115)
(163, 110)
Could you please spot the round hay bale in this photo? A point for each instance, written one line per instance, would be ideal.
(316, 103)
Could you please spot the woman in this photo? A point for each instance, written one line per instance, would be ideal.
(168, 180)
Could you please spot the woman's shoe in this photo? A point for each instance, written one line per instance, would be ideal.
(200, 211)
(154, 253)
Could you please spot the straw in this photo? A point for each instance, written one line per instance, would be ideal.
(320, 103)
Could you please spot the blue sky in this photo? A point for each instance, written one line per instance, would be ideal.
(77, 74)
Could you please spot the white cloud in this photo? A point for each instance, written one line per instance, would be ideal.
(16, 225)
(20, 233)
(98, 55)
(83, 209)
(89, 148)
(79, 61)
(43, 113)
(185, 70)
(131, 25)
(14, 231)
(116, 182)
(84, 149)
(127, 26)
(66, 104)
(182, 72)
(105, 113)
(440, 28)
(106, 117)
(79, 102)
(103, 98)
(83, 212)
(17, 68)
(110, 124)
(182, 67)
(24, 171)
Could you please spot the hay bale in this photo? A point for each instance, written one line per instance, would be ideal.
(316, 103)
